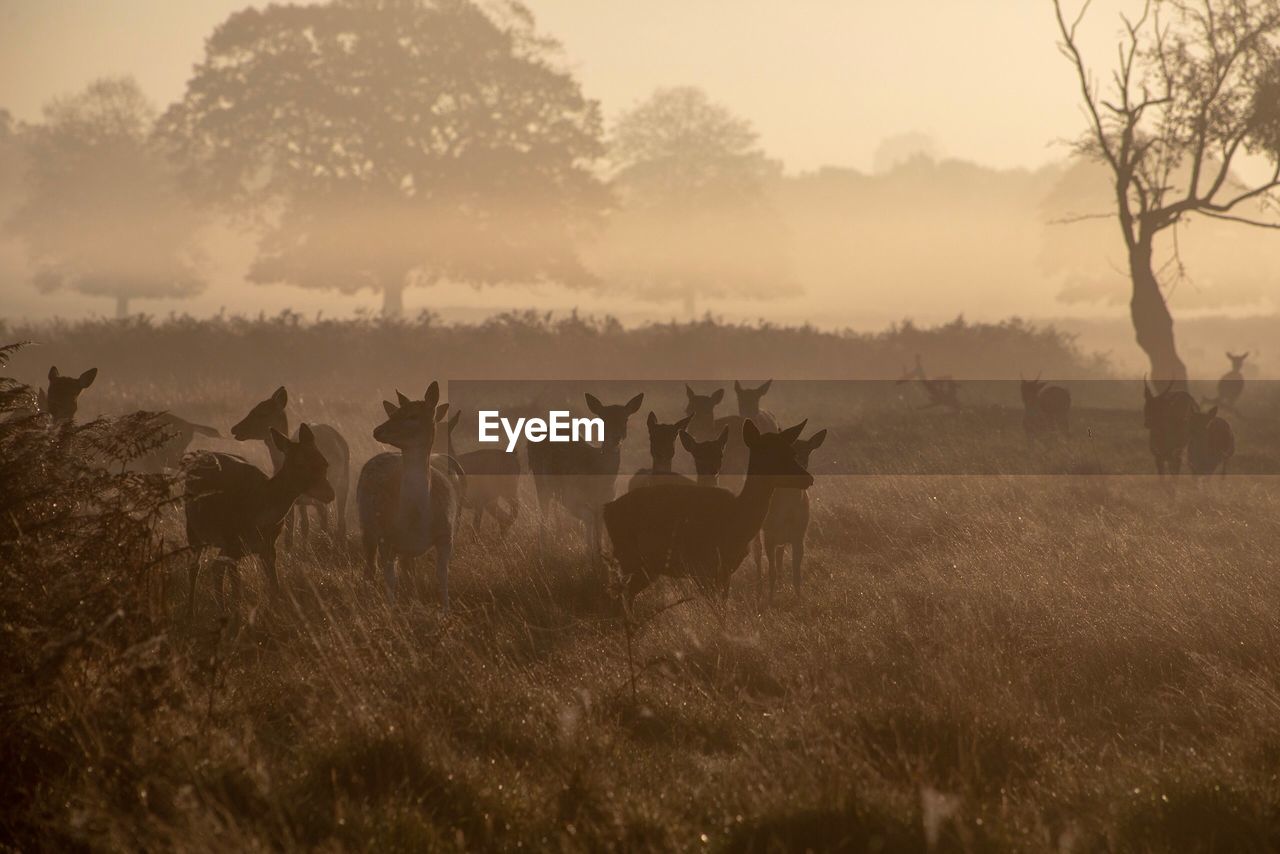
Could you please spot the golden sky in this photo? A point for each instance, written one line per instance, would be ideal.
(823, 80)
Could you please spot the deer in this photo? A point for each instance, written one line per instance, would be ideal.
(408, 506)
(1210, 442)
(708, 456)
(63, 397)
(1230, 384)
(662, 451)
(788, 520)
(579, 475)
(269, 415)
(941, 391)
(492, 480)
(1046, 408)
(701, 532)
(1167, 418)
(749, 405)
(232, 506)
(701, 409)
(176, 435)
(705, 425)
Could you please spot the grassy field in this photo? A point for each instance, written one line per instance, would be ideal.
(1047, 661)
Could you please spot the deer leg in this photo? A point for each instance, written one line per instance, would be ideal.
(322, 517)
(1160, 466)
(775, 558)
(443, 551)
(409, 573)
(370, 555)
(304, 522)
(193, 573)
(478, 519)
(797, 557)
(757, 554)
(513, 511)
(288, 529)
(387, 558)
(341, 513)
(268, 558)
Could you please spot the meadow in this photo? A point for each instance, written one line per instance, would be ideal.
(1068, 655)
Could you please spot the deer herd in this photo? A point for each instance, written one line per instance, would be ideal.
(749, 496)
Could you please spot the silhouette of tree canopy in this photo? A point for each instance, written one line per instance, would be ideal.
(382, 143)
(1195, 90)
(695, 218)
(102, 212)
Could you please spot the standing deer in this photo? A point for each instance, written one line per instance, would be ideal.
(1210, 443)
(579, 475)
(1047, 408)
(662, 451)
(1167, 418)
(749, 405)
(63, 397)
(492, 481)
(270, 415)
(701, 409)
(232, 506)
(408, 506)
(701, 532)
(788, 519)
(941, 391)
(1231, 384)
(708, 456)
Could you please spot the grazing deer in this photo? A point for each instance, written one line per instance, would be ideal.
(708, 456)
(788, 519)
(1167, 418)
(232, 506)
(1231, 384)
(1047, 408)
(270, 415)
(492, 481)
(662, 451)
(701, 532)
(1210, 443)
(749, 405)
(175, 436)
(408, 506)
(579, 475)
(941, 391)
(63, 397)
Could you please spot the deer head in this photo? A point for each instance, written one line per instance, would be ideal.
(63, 396)
(411, 424)
(263, 418)
(749, 398)
(614, 417)
(662, 437)
(303, 466)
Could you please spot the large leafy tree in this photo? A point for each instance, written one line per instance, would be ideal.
(694, 218)
(383, 143)
(1194, 92)
(102, 212)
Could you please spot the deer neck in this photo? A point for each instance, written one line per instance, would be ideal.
(703, 422)
(278, 496)
(662, 466)
(750, 506)
(413, 515)
(708, 479)
(276, 455)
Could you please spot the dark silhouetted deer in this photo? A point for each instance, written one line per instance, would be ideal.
(1210, 443)
(63, 396)
(270, 415)
(1167, 418)
(662, 453)
(941, 391)
(788, 519)
(708, 456)
(1231, 384)
(749, 405)
(175, 435)
(701, 532)
(1046, 408)
(407, 505)
(232, 506)
(579, 475)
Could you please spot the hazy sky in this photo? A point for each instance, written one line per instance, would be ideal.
(823, 80)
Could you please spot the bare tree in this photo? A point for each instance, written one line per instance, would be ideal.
(1194, 92)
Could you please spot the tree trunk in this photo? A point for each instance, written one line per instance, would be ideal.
(1152, 323)
(122, 307)
(393, 299)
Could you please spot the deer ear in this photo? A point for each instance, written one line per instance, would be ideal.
(792, 433)
(401, 400)
(280, 397)
(593, 403)
(688, 391)
(717, 396)
(737, 387)
(652, 420)
(305, 436)
(442, 412)
(432, 397)
(391, 409)
(280, 440)
(87, 378)
(53, 374)
(723, 438)
(750, 435)
(816, 440)
(687, 441)
(764, 389)
(684, 422)
(453, 422)
(633, 405)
